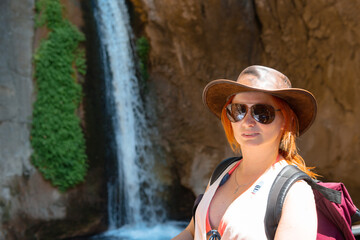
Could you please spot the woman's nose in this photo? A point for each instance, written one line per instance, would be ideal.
(248, 120)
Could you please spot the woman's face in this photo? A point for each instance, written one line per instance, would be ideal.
(249, 132)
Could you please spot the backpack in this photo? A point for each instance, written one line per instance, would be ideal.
(336, 211)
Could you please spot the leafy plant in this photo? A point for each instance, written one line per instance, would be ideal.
(142, 50)
(56, 135)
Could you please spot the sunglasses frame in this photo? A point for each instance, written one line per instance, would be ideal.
(270, 119)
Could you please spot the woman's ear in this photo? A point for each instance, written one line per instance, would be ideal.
(283, 123)
(283, 126)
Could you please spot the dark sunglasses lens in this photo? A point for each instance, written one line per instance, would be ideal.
(236, 112)
(263, 113)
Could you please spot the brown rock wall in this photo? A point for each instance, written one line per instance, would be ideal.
(193, 42)
(314, 42)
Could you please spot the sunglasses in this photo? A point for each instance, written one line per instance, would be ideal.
(262, 113)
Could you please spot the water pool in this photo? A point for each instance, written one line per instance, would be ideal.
(164, 231)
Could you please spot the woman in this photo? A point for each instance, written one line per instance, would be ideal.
(262, 115)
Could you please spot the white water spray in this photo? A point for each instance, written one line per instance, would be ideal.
(131, 135)
(134, 208)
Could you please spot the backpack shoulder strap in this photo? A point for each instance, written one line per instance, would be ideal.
(356, 217)
(282, 183)
(221, 168)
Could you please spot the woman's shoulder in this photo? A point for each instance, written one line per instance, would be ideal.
(301, 191)
(298, 188)
(299, 215)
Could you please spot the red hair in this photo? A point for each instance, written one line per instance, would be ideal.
(235, 146)
(287, 147)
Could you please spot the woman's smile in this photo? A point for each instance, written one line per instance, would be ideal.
(250, 134)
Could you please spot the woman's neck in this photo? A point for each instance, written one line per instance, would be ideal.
(257, 159)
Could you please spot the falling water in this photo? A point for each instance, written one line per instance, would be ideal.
(133, 204)
(122, 88)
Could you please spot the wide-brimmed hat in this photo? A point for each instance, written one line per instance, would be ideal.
(267, 80)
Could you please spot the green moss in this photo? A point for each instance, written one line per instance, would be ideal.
(142, 51)
(56, 135)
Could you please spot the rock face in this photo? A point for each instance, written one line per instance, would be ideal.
(316, 44)
(193, 43)
(16, 91)
(30, 208)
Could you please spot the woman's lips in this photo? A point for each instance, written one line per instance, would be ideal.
(249, 135)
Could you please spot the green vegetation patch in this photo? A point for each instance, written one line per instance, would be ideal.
(142, 50)
(56, 136)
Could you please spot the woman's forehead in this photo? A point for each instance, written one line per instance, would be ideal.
(253, 98)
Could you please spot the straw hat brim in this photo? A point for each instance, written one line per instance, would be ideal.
(302, 102)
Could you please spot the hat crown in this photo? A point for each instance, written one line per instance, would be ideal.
(263, 78)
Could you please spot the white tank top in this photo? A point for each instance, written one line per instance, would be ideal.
(244, 218)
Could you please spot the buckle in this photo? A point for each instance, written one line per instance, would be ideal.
(214, 235)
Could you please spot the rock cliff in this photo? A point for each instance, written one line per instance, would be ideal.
(315, 44)
(30, 207)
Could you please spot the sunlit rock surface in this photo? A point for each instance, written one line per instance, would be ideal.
(315, 43)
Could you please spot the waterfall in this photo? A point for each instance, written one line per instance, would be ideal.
(131, 196)
(135, 209)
